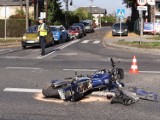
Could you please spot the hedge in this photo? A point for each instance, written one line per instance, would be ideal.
(14, 27)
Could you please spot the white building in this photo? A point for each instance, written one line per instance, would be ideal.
(96, 12)
(9, 7)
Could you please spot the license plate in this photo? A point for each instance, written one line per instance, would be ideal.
(30, 41)
(120, 32)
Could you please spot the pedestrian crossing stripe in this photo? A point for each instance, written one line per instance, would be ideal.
(96, 42)
(85, 41)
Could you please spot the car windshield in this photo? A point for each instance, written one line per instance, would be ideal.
(32, 29)
(117, 25)
(85, 23)
(72, 28)
(55, 29)
(78, 24)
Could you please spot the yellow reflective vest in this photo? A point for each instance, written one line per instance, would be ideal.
(42, 29)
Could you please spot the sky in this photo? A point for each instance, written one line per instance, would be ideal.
(110, 5)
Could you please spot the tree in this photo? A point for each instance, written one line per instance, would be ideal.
(108, 19)
(134, 12)
(19, 14)
(82, 13)
(54, 11)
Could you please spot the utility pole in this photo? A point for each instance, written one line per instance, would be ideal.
(27, 14)
(5, 33)
(36, 9)
(46, 10)
(91, 9)
(66, 4)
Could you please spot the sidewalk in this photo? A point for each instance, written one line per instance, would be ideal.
(9, 43)
(112, 41)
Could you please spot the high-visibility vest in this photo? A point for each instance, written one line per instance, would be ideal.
(43, 30)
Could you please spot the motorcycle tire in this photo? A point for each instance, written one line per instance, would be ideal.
(120, 73)
(50, 92)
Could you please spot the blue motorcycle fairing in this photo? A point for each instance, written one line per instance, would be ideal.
(83, 79)
(100, 80)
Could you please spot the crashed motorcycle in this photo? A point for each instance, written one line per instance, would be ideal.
(69, 90)
(108, 79)
(79, 85)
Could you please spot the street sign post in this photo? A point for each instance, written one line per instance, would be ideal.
(142, 8)
(151, 2)
(120, 14)
(141, 2)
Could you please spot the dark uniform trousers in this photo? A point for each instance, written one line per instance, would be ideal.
(42, 44)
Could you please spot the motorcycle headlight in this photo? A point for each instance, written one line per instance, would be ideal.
(125, 30)
(24, 37)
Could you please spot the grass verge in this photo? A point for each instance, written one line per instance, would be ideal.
(150, 45)
(157, 37)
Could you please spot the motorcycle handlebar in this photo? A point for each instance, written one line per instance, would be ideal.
(112, 62)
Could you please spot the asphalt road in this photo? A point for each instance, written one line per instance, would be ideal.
(28, 69)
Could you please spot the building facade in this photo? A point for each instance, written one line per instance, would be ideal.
(9, 7)
(96, 12)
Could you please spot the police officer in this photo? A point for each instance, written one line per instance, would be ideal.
(42, 29)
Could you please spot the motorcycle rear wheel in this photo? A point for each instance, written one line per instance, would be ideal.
(50, 92)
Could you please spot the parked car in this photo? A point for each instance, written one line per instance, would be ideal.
(31, 37)
(60, 33)
(75, 32)
(82, 27)
(119, 29)
(88, 25)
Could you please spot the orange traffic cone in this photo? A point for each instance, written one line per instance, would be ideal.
(134, 67)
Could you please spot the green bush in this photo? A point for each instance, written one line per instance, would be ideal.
(14, 27)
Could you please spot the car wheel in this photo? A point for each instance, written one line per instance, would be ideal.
(52, 43)
(23, 47)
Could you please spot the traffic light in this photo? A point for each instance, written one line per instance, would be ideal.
(71, 3)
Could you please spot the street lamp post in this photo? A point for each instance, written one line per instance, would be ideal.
(5, 36)
(46, 11)
(27, 13)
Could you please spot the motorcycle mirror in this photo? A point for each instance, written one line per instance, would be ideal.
(75, 73)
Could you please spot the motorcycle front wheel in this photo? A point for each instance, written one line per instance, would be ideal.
(120, 73)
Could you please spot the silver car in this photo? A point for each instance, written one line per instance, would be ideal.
(119, 29)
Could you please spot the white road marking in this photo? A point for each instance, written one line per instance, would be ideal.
(61, 47)
(96, 42)
(2, 50)
(151, 72)
(68, 54)
(24, 68)
(14, 57)
(80, 69)
(156, 72)
(22, 90)
(85, 41)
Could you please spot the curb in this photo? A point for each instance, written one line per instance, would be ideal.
(6, 45)
(110, 43)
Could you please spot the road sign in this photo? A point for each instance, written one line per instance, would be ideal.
(141, 2)
(144, 8)
(151, 2)
(120, 13)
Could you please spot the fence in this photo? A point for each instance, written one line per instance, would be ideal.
(14, 27)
